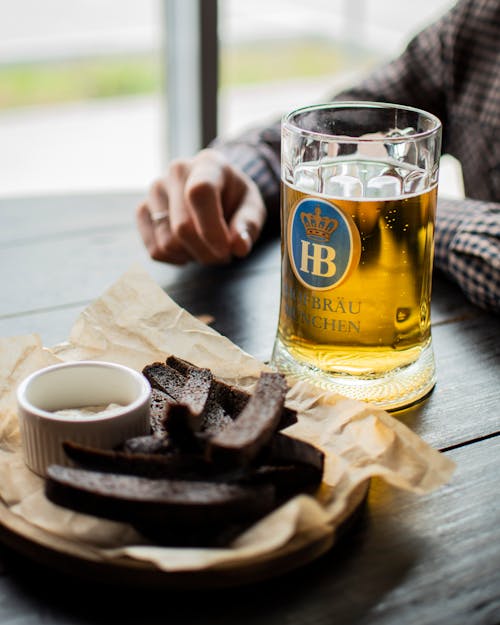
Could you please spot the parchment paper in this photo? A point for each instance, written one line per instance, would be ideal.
(136, 323)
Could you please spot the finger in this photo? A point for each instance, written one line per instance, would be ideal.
(170, 253)
(156, 233)
(145, 225)
(204, 186)
(248, 220)
(183, 221)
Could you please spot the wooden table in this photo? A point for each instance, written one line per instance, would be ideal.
(409, 559)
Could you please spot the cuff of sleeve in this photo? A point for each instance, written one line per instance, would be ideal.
(467, 248)
(258, 160)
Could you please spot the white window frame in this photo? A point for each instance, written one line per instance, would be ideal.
(191, 82)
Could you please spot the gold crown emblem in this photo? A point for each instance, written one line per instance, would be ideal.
(318, 226)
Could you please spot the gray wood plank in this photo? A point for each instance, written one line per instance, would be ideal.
(62, 271)
(434, 560)
(53, 325)
(464, 403)
(74, 259)
(48, 216)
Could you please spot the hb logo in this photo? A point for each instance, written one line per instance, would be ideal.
(321, 259)
(324, 245)
(318, 258)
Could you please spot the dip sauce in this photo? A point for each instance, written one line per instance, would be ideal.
(86, 411)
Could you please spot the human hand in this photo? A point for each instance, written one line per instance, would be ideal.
(204, 210)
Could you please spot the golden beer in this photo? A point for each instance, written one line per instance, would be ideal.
(378, 318)
(358, 205)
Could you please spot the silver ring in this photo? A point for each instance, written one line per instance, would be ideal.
(159, 216)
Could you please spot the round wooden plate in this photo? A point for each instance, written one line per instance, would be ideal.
(77, 560)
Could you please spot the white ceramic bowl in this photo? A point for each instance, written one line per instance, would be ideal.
(76, 385)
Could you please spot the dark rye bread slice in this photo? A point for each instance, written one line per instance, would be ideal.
(184, 420)
(172, 464)
(194, 396)
(161, 502)
(194, 388)
(231, 398)
(165, 379)
(291, 465)
(158, 408)
(204, 413)
(147, 444)
(242, 440)
(284, 449)
(153, 465)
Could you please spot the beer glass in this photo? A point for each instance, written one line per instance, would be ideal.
(358, 202)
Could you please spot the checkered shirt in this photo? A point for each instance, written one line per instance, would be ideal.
(451, 69)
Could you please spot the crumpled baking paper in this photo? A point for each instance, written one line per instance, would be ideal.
(136, 323)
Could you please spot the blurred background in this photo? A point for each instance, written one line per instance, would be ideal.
(89, 88)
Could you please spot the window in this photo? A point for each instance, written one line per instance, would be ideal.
(278, 54)
(99, 94)
(80, 94)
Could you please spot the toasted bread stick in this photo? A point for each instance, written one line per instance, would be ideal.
(134, 499)
(241, 441)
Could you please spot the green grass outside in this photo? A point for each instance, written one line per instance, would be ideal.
(50, 83)
(38, 84)
(282, 60)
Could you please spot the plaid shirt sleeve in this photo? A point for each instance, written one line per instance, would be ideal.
(467, 248)
(257, 153)
(451, 69)
(459, 59)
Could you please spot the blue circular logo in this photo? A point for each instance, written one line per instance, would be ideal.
(324, 245)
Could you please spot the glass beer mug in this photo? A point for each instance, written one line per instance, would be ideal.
(358, 202)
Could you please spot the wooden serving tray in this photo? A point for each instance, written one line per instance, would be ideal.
(75, 559)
